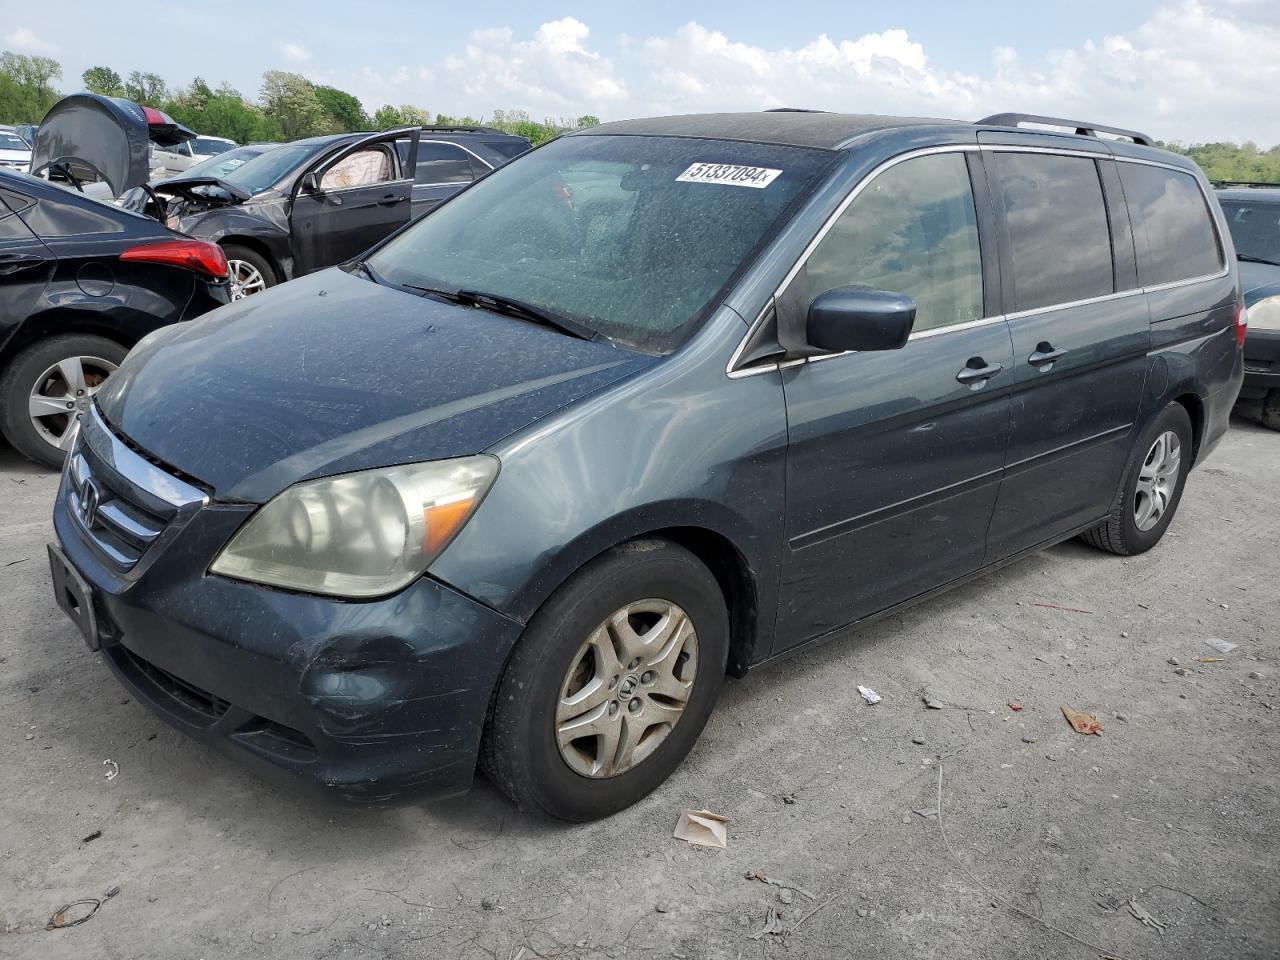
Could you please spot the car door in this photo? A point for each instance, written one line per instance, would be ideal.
(25, 264)
(442, 170)
(348, 202)
(1081, 333)
(895, 458)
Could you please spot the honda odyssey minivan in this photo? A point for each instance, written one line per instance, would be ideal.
(655, 403)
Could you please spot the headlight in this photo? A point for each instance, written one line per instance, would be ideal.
(361, 534)
(1265, 314)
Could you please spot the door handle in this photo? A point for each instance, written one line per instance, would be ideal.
(13, 262)
(1044, 356)
(391, 199)
(977, 372)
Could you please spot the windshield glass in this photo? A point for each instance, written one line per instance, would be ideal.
(631, 236)
(1255, 228)
(265, 169)
(223, 163)
(207, 146)
(11, 141)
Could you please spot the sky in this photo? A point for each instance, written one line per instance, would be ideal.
(1188, 70)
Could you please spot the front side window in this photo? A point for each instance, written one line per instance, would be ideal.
(635, 237)
(443, 163)
(1059, 239)
(1176, 238)
(1255, 229)
(911, 230)
(359, 169)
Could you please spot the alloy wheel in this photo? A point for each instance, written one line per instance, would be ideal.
(246, 279)
(626, 688)
(61, 396)
(1157, 480)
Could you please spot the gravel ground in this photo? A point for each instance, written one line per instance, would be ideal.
(1044, 840)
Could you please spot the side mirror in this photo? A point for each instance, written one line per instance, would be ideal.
(858, 318)
(309, 183)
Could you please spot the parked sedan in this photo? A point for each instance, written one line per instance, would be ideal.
(81, 279)
(15, 152)
(317, 202)
(181, 157)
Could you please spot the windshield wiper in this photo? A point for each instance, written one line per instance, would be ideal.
(1249, 258)
(511, 307)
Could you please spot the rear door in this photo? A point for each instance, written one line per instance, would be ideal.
(895, 457)
(442, 170)
(25, 264)
(1081, 334)
(363, 195)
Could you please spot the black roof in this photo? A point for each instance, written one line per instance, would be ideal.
(794, 128)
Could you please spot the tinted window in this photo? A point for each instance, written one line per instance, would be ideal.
(11, 225)
(1255, 228)
(1176, 239)
(358, 169)
(443, 163)
(209, 147)
(603, 229)
(911, 230)
(508, 149)
(1060, 242)
(264, 170)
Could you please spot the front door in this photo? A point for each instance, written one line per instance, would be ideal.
(895, 458)
(1081, 333)
(362, 196)
(442, 170)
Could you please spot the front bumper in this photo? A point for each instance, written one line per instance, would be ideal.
(371, 701)
(1261, 363)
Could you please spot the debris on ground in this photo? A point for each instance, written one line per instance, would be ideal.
(788, 798)
(69, 916)
(1222, 646)
(91, 837)
(928, 813)
(702, 828)
(1107, 902)
(1015, 706)
(1054, 606)
(1086, 723)
(781, 884)
(785, 896)
(772, 925)
(1146, 919)
(932, 703)
(1208, 659)
(113, 769)
(869, 695)
(918, 741)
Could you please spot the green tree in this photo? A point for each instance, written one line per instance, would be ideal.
(587, 120)
(103, 80)
(343, 110)
(26, 87)
(145, 88)
(409, 114)
(387, 117)
(290, 101)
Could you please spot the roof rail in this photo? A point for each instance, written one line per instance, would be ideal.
(459, 128)
(1079, 126)
(793, 110)
(1260, 184)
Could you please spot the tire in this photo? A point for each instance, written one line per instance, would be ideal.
(1271, 410)
(253, 262)
(522, 752)
(32, 372)
(1122, 532)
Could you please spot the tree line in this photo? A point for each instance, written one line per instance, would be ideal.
(288, 105)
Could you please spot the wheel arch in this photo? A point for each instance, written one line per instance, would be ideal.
(57, 323)
(1195, 412)
(257, 246)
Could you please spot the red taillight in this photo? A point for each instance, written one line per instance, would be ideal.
(1242, 324)
(198, 255)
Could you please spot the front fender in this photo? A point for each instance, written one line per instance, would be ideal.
(266, 222)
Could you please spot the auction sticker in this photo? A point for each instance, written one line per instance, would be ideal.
(729, 174)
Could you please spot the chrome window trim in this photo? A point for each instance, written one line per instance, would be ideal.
(452, 183)
(734, 373)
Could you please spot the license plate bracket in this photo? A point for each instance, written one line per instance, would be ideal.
(74, 596)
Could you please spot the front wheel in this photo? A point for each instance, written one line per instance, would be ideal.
(611, 683)
(1154, 478)
(248, 271)
(1271, 410)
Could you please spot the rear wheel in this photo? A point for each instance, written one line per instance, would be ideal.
(1154, 479)
(611, 683)
(1271, 410)
(249, 271)
(48, 387)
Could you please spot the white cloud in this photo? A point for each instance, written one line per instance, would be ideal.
(294, 52)
(1191, 71)
(24, 40)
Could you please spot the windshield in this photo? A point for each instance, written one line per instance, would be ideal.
(207, 146)
(1255, 228)
(11, 141)
(507, 149)
(223, 164)
(266, 169)
(632, 236)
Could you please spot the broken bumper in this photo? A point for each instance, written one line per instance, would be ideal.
(371, 701)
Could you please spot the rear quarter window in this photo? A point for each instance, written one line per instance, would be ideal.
(1176, 239)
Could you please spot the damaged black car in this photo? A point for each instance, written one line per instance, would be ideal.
(314, 203)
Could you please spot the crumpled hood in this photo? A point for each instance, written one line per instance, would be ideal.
(332, 373)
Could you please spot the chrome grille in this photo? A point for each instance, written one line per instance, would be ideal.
(121, 503)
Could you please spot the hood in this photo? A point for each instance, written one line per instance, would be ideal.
(103, 138)
(15, 156)
(1258, 281)
(332, 373)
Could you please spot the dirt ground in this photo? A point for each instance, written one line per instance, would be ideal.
(1044, 840)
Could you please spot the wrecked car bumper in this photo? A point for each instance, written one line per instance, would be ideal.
(371, 702)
